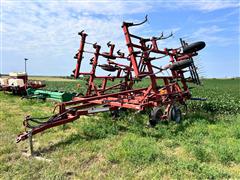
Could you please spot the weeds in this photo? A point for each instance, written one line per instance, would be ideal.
(136, 150)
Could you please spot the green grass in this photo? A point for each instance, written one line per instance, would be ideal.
(205, 145)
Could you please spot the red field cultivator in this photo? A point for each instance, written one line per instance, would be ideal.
(163, 94)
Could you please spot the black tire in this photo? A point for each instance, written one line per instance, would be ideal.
(181, 64)
(155, 116)
(114, 114)
(109, 68)
(14, 91)
(175, 114)
(194, 47)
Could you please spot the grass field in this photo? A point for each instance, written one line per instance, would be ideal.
(205, 145)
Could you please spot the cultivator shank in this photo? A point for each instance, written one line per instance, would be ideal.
(164, 94)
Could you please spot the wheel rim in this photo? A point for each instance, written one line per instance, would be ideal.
(156, 115)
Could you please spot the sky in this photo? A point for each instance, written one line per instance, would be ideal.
(45, 32)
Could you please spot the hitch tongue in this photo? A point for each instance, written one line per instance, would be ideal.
(22, 136)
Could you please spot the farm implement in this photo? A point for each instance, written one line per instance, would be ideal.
(50, 95)
(18, 83)
(165, 95)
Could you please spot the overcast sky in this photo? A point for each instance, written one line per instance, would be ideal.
(45, 32)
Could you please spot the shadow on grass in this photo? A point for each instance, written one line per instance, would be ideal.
(102, 129)
(72, 139)
(88, 132)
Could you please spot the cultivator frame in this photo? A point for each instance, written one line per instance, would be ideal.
(164, 99)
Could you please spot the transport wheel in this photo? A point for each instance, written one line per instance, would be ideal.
(155, 116)
(115, 114)
(175, 114)
(118, 113)
(194, 47)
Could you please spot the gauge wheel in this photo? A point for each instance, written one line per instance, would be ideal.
(194, 47)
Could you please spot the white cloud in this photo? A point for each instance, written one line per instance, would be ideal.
(212, 35)
(51, 24)
(201, 5)
(48, 31)
(49, 28)
(216, 4)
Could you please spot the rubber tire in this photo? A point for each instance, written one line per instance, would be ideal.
(181, 64)
(173, 112)
(155, 116)
(115, 114)
(109, 68)
(194, 47)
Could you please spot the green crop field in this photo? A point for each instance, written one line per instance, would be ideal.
(206, 144)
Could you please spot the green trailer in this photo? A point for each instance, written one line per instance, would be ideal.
(51, 95)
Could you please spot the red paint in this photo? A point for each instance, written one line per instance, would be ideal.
(139, 67)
